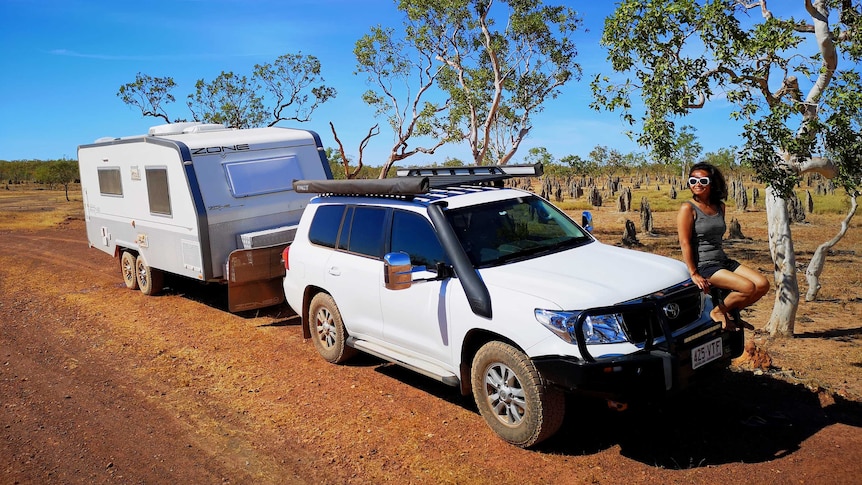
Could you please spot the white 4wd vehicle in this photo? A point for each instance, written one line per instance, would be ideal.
(496, 291)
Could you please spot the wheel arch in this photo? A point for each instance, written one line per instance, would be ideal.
(309, 293)
(473, 341)
(119, 250)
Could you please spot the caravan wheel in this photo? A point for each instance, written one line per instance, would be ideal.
(127, 267)
(150, 280)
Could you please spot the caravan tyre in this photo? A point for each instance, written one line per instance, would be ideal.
(127, 267)
(149, 279)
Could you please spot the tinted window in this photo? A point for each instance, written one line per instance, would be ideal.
(414, 235)
(324, 227)
(255, 177)
(157, 191)
(109, 181)
(366, 231)
(514, 229)
(348, 216)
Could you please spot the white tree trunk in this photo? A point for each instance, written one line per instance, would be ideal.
(786, 285)
(815, 266)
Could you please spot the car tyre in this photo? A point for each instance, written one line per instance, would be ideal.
(327, 329)
(512, 397)
(128, 269)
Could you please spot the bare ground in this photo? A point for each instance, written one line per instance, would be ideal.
(99, 384)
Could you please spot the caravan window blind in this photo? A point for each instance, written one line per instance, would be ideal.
(110, 182)
(255, 177)
(157, 191)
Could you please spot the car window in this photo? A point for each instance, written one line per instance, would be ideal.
(413, 234)
(366, 231)
(514, 229)
(325, 225)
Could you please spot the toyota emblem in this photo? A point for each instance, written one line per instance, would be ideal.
(671, 310)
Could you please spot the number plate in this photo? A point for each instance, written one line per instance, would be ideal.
(706, 353)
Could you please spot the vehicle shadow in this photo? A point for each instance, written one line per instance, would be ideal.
(734, 417)
(215, 296)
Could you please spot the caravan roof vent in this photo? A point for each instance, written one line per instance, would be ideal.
(205, 127)
(172, 128)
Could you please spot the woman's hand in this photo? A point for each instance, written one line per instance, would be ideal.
(701, 282)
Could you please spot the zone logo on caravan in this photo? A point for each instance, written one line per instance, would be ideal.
(221, 149)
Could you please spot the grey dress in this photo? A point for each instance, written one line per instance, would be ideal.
(707, 235)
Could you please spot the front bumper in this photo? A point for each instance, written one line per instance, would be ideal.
(645, 374)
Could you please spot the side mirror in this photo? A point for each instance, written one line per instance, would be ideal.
(587, 221)
(397, 271)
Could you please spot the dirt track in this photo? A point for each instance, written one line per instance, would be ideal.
(101, 384)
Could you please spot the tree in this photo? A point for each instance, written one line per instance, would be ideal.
(540, 155)
(578, 165)
(62, 172)
(686, 149)
(149, 94)
(342, 157)
(293, 81)
(500, 65)
(401, 73)
(228, 100)
(679, 53)
(607, 160)
(723, 158)
(290, 89)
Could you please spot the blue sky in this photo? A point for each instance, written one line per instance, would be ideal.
(62, 63)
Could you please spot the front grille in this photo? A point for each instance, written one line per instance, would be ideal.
(678, 308)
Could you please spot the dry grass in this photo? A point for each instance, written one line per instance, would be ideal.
(31, 207)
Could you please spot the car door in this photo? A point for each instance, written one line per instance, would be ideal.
(354, 272)
(416, 319)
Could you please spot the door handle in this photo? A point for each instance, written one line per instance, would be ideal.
(334, 271)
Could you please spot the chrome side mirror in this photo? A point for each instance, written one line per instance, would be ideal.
(398, 271)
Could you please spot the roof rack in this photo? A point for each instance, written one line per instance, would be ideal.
(411, 182)
(440, 177)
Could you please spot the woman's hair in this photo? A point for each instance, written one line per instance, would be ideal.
(718, 187)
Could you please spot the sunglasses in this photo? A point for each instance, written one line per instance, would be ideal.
(698, 180)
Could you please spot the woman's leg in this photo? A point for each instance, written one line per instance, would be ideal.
(761, 285)
(746, 285)
(741, 288)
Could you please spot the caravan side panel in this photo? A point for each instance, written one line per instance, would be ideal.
(138, 196)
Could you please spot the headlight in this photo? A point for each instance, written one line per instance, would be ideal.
(597, 329)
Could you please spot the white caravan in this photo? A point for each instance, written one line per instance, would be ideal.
(201, 201)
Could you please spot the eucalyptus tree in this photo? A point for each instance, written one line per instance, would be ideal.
(63, 172)
(724, 158)
(150, 95)
(229, 100)
(503, 59)
(289, 89)
(782, 73)
(401, 73)
(686, 149)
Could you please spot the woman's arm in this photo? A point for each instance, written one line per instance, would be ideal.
(685, 229)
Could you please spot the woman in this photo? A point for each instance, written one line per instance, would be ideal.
(700, 224)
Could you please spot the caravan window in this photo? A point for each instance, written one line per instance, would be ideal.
(255, 177)
(157, 191)
(109, 181)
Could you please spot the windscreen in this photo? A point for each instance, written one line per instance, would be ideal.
(513, 230)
